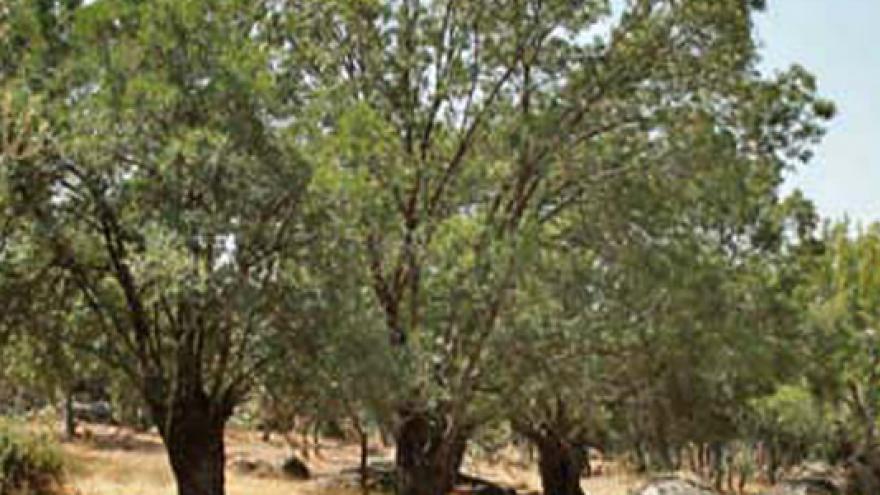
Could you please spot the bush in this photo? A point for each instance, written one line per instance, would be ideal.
(29, 464)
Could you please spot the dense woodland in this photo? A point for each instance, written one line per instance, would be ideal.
(457, 223)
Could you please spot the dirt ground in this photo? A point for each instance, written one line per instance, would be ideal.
(112, 461)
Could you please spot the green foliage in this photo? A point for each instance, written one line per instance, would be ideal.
(841, 295)
(167, 202)
(456, 155)
(561, 214)
(29, 463)
(792, 419)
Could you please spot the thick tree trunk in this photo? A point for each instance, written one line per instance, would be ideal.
(561, 465)
(193, 437)
(427, 460)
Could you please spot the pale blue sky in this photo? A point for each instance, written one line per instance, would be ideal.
(839, 42)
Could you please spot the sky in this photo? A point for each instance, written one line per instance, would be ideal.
(839, 42)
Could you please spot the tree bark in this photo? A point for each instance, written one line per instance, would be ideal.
(717, 449)
(69, 417)
(588, 467)
(364, 440)
(193, 437)
(561, 465)
(641, 459)
(772, 464)
(427, 459)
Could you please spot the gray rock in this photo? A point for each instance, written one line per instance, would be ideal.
(813, 478)
(674, 485)
(93, 412)
(477, 486)
(800, 488)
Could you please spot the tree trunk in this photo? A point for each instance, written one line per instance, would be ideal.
(142, 421)
(316, 439)
(365, 463)
(691, 459)
(69, 417)
(641, 460)
(730, 477)
(364, 440)
(427, 460)
(588, 467)
(385, 436)
(717, 450)
(703, 456)
(560, 465)
(772, 464)
(193, 437)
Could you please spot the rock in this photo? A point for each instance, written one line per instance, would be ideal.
(93, 412)
(472, 485)
(674, 485)
(251, 467)
(382, 476)
(814, 478)
(804, 487)
(490, 489)
(809, 470)
(295, 469)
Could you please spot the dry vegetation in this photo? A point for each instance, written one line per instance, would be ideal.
(112, 461)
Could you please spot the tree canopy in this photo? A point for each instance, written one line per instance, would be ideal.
(434, 217)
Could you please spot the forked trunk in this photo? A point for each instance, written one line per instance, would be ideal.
(561, 465)
(427, 461)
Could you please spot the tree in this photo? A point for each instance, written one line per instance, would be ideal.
(454, 148)
(792, 423)
(650, 328)
(454, 133)
(168, 207)
(22, 140)
(345, 374)
(840, 295)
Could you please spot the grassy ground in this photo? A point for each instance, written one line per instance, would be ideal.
(111, 461)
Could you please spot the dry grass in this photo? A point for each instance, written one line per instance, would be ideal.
(514, 471)
(116, 462)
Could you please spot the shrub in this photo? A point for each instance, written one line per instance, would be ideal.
(29, 464)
